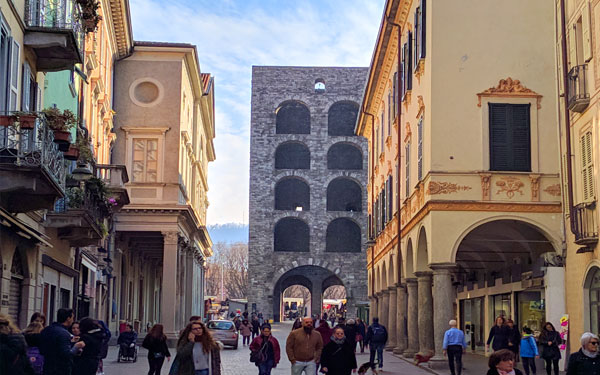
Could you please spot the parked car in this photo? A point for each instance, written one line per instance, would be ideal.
(224, 331)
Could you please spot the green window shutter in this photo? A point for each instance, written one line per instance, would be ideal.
(409, 52)
(417, 37)
(587, 166)
(521, 137)
(510, 139)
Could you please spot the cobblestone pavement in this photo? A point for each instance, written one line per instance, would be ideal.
(236, 362)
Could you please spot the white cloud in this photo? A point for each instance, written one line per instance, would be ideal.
(231, 36)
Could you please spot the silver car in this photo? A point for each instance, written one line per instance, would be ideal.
(224, 331)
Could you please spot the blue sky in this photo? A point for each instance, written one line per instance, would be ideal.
(233, 35)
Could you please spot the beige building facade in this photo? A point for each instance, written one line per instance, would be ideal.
(464, 188)
(165, 131)
(578, 77)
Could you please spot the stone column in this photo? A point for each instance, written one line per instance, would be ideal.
(316, 298)
(391, 343)
(442, 304)
(169, 285)
(401, 334)
(379, 305)
(384, 314)
(425, 301)
(412, 318)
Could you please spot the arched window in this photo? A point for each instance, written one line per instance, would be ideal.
(292, 155)
(341, 118)
(344, 156)
(343, 194)
(319, 85)
(292, 194)
(292, 118)
(594, 290)
(343, 236)
(291, 234)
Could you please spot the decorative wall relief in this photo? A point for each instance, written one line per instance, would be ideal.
(535, 187)
(485, 186)
(440, 187)
(510, 186)
(553, 190)
(510, 88)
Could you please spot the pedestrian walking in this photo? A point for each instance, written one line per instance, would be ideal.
(350, 332)
(586, 361)
(362, 332)
(261, 320)
(297, 324)
(514, 338)
(32, 336)
(529, 351)
(156, 343)
(325, 331)
(502, 362)
(265, 351)
(13, 356)
(338, 356)
(376, 338)
(498, 336)
(38, 317)
(332, 319)
(255, 327)
(92, 335)
(246, 330)
(56, 346)
(103, 346)
(303, 348)
(550, 341)
(197, 352)
(454, 345)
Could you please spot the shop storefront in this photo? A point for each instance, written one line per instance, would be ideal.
(531, 310)
(472, 321)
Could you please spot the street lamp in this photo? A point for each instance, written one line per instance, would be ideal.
(82, 172)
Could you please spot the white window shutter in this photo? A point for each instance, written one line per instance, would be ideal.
(586, 32)
(14, 75)
(572, 47)
(26, 88)
(559, 64)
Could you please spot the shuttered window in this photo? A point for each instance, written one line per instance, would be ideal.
(510, 137)
(383, 205)
(417, 37)
(389, 119)
(422, 28)
(408, 61)
(420, 150)
(407, 168)
(395, 95)
(390, 198)
(587, 166)
(14, 75)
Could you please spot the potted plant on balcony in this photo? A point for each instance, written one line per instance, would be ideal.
(26, 120)
(89, 14)
(84, 147)
(72, 153)
(60, 123)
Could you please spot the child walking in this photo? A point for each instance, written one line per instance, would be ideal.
(529, 351)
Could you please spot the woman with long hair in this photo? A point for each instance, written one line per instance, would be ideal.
(197, 352)
(550, 341)
(38, 317)
(156, 343)
(498, 336)
(32, 337)
(13, 357)
(92, 335)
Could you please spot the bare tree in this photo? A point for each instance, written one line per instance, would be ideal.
(228, 269)
(335, 292)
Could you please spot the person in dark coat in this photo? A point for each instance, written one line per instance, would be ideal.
(297, 324)
(195, 341)
(514, 338)
(338, 356)
(255, 327)
(270, 347)
(503, 362)
(586, 361)
(13, 357)
(325, 331)
(350, 332)
(32, 336)
(156, 343)
(550, 341)
(127, 341)
(92, 335)
(362, 332)
(499, 334)
(56, 346)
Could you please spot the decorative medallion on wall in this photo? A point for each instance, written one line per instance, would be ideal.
(440, 187)
(553, 190)
(510, 88)
(510, 186)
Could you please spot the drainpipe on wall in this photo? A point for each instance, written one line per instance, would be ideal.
(565, 74)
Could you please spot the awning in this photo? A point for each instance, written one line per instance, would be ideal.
(22, 229)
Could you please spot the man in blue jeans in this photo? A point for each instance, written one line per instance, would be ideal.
(454, 346)
(376, 338)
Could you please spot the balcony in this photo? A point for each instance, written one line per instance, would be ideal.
(115, 177)
(54, 30)
(579, 96)
(585, 221)
(32, 169)
(79, 216)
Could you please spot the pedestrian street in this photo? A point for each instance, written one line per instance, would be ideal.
(236, 362)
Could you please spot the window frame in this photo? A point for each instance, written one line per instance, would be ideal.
(586, 165)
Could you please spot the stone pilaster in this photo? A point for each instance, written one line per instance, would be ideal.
(442, 304)
(412, 318)
(425, 311)
(383, 316)
(401, 334)
(169, 285)
(391, 343)
(379, 306)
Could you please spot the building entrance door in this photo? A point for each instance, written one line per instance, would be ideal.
(471, 322)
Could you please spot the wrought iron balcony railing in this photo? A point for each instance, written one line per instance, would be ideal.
(85, 201)
(32, 147)
(585, 220)
(579, 96)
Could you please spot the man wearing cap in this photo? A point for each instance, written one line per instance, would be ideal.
(454, 346)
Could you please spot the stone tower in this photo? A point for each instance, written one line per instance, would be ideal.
(308, 173)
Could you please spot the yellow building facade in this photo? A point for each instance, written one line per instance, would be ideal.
(464, 187)
(578, 72)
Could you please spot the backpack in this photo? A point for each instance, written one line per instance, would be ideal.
(36, 359)
(379, 334)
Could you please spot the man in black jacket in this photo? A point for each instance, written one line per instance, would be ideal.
(127, 341)
(55, 345)
(376, 338)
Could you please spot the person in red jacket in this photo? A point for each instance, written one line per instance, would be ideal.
(268, 350)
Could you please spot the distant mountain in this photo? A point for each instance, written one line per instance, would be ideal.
(229, 233)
